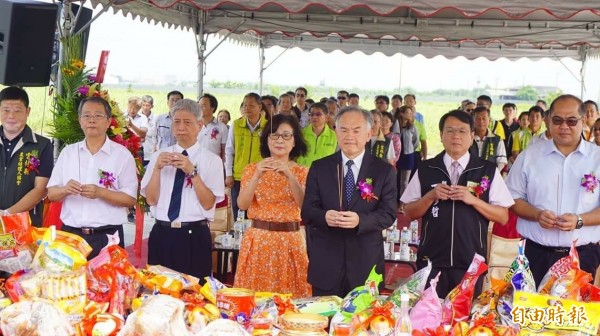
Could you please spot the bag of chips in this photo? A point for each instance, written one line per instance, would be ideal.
(520, 279)
(457, 305)
(361, 297)
(565, 278)
(15, 233)
(167, 281)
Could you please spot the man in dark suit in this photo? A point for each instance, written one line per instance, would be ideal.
(350, 198)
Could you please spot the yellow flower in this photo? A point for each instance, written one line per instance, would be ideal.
(77, 64)
(68, 72)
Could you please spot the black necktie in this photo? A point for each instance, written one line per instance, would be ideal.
(349, 183)
(175, 204)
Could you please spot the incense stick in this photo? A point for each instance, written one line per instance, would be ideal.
(340, 179)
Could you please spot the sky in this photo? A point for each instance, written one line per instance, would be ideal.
(152, 54)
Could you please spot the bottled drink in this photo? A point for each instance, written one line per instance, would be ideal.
(403, 326)
(404, 248)
(241, 215)
(414, 232)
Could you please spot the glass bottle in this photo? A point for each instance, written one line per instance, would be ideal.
(403, 326)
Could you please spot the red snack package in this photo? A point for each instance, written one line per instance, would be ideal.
(15, 231)
(565, 278)
(457, 305)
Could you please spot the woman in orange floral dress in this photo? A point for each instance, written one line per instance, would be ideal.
(273, 253)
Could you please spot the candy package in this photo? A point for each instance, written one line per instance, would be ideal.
(322, 305)
(15, 234)
(565, 278)
(60, 251)
(519, 278)
(457, 305)
(427, 313)
(38, 317)
(413, 286)
(167, 281)
(362, 296)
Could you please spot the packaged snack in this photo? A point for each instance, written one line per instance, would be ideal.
(565, 278)
(58, 255)
(210, 288)
(427, 313)
(376, 319)
(487, 301)
(38, 317)
(23, 285)
(519, 278)
(21, 260)
(15, 232)
(361, 297)
(413, 286)
(223, 327)
(67, 290)
(323, 305)
(590, 293)
(167, 281)
(457, 305)
(159, 315)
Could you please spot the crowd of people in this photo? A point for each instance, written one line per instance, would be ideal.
(320, 181)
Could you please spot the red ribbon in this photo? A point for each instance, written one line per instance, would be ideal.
(377, 309)
(139, 231)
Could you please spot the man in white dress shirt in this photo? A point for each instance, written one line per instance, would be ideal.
(213, 136)
(457, 195)
(183, 182)
(557, 198)
(95, 179)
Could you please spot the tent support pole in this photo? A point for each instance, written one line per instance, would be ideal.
(261, 56)
(582, 72)
(200, 48)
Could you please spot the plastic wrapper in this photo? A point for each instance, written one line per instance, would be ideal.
(67, 290)
(427, 313)
(23, 285)
(590, 293)
(457, 305)
(376, 319)
(167, 281)
(60, 251)
(15, 234)
(519, 278)
(413, 286)
(223, 327)
(159, 315)
(361, 297)
(323, 305)
(538, 314)
(112, 279)
(565, 278)
(34, 318)
(210, 288)
(487, 301)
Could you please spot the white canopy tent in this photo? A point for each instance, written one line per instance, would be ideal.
(492, 29)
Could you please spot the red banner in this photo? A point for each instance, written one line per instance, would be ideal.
(102, 66)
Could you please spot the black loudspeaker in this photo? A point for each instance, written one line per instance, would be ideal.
(26, 38)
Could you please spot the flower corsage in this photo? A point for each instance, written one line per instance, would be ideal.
(589, 182)
(107, 179)
(214, 133)
(366, 189)
(478, 189)
(33, 163)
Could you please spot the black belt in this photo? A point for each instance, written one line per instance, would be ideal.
(182, 225)
(558, 249)
(94, 230)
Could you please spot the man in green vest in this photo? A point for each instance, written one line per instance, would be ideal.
(487, 145)
(27, 158)
(243, 144)
(320, 139)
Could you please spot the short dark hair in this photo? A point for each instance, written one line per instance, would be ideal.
(509, 105)
(14, 93)
(581, 109)
(537, 109)
(97, 100)
(480, 109)
(485, 98)
(212, 99)
(291, 93)
(257, 99)
(591, 102)
(322, 106)
(174, 92)
(354, 95)
(389, 116)
(310, 101)
(343, 92)
(300, 147)
(541, 101)
(526, 114)
(410, 95)
(226, 112)
(397, 96)
(460, 115)
(273, 99)
(301, 89)
(385, 98)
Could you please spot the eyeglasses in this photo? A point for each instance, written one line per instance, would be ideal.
(89, 117)
(299, 94)
(557, 121)
(469, 110)
(315, 114)
(285, 136)
(455, 131)
(342, 98)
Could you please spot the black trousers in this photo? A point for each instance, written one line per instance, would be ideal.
(98, 240)
(235, 192)
(186, 250)
(541, 258)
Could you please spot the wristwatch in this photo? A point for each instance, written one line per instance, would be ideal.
(579, 224)
(193, 172)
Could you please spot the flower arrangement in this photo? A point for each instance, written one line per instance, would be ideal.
(78, 82)
(366, 189)
(589, 182)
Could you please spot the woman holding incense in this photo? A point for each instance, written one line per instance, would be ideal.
(273, 253)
